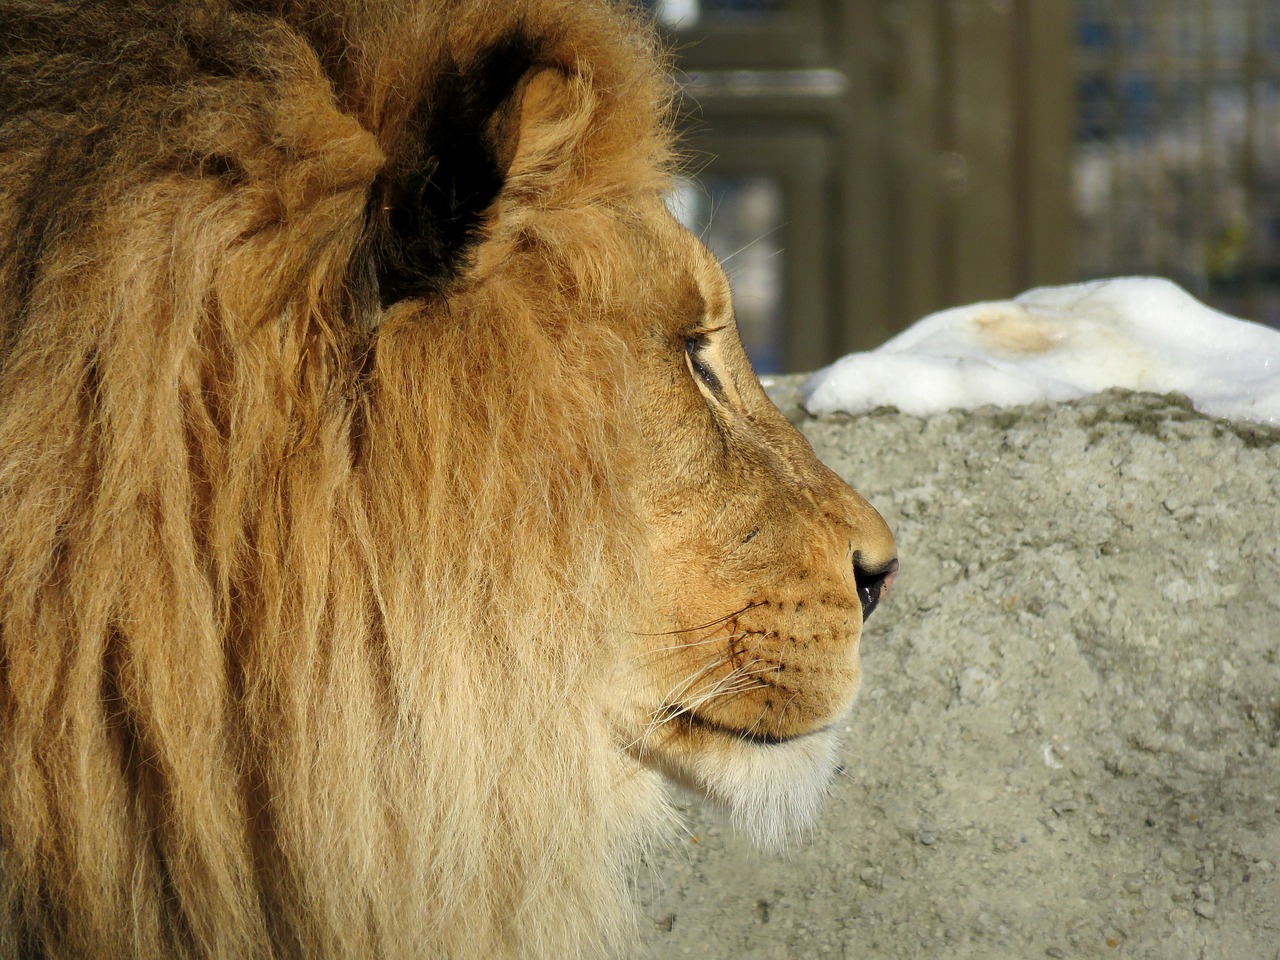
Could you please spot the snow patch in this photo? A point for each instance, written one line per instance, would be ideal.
(1060, 343)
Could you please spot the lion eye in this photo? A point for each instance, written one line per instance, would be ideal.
(693, 348)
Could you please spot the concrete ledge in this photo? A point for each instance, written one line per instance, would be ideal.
(1068, 739)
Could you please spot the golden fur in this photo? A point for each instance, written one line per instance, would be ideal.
(384, 496)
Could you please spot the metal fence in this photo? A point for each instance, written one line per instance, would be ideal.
(1177, 155)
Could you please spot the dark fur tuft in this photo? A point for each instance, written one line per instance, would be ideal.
(447, 170)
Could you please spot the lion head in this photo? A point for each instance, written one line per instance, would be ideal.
(386, 502)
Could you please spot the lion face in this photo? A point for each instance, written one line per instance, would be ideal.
(766, 565)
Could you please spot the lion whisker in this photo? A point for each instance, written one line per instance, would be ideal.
(739, 680)
(675, 706)
(718, 638)
(739, 674)
(751, 243)
(713, 623)
(675, 694)
(685, 646)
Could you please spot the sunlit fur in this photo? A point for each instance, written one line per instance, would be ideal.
(273, 605)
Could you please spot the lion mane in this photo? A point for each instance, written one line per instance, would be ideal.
(387, 504)
(316, 529)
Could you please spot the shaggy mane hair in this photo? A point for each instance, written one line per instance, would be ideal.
(316, 541)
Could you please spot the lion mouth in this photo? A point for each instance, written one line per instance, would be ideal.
(696, 721)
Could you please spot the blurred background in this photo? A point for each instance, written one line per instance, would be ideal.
(860, 163)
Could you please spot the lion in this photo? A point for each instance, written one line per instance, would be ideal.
(388, 509)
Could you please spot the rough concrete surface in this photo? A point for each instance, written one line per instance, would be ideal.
(1068, 738)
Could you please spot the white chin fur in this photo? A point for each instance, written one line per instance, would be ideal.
(772, 793)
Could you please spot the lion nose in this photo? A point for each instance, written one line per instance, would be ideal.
(872, 584)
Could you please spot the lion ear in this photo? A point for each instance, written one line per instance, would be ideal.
(541, 96)
(452, 161)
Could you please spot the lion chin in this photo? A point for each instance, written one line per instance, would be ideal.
(387, 504)
(771, 793)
